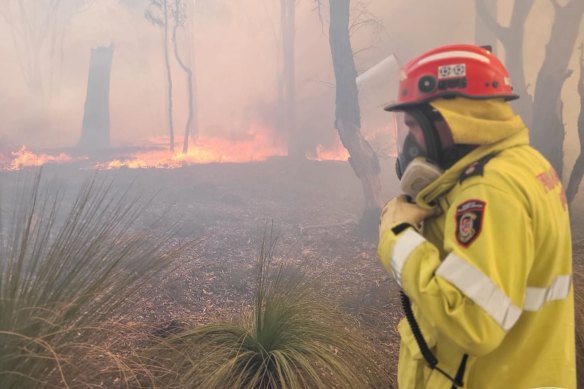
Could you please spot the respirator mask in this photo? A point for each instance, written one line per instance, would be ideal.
(418, 144)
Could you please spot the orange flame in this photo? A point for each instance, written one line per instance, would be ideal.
(383, 140)
(26, 158)
(257, 145)
(336, 153)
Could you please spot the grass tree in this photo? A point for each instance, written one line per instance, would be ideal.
(65, 273)
(293, 338)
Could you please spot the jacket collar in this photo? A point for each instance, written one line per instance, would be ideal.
(450, 177)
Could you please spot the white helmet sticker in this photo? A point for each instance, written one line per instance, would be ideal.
(451, 71)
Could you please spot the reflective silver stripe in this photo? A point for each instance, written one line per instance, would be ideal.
(454, 54)
(549, 387)
(405, 244)
(480, 289)
(559, 289)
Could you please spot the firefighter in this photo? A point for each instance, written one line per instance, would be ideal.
(480, 241)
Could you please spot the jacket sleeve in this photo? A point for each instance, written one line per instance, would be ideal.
(475, 294)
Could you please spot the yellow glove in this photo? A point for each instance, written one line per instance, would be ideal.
(399, 211)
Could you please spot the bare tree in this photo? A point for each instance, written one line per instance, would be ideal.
(38, 32)
(511, 37)
(547, 125)
(363, 158)
(543, 114)
(157, 14)
(180, 16)
(578, 170)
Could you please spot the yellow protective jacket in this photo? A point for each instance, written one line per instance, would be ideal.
(492, 276)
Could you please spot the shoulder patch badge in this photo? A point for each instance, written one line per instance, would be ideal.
(469, 221)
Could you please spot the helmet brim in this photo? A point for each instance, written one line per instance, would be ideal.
(452, 95)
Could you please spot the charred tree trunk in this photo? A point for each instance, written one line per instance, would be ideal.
(511, 37)
(362, 157)
(578, 170)
(287, 89)
(95, 128)
(548, 127)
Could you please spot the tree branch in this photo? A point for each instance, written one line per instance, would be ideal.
(576, 6)
(556, 5)
(318, 8)
(364, 18)
(578, 169)
(356, 53)
(581, 81)
(358, 24)
(567, 75)
(500, 31)
(521, 10)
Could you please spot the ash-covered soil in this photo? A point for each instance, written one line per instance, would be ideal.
(313, 208)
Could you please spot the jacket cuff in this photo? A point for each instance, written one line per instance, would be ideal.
(395, 248)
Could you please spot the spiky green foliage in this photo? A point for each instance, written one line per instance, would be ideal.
(65, 271)
(292, 339)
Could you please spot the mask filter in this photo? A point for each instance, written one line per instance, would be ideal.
(419, 174)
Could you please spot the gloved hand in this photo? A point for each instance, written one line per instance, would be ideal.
(399, 210)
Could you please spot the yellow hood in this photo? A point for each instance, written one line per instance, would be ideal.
(490, 124)
(478, 122)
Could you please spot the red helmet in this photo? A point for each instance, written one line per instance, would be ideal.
(455, 70)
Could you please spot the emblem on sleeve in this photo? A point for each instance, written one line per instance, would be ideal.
(469, 221)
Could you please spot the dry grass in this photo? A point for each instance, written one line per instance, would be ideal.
(293, 339)
(65, 272)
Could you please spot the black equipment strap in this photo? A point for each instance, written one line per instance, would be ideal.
(425, 350)
(460, 373)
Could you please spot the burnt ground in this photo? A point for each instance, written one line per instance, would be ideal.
(314, 208)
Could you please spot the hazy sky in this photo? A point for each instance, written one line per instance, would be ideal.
(237, 55)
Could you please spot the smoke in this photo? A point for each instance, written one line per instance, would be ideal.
(237, 56)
